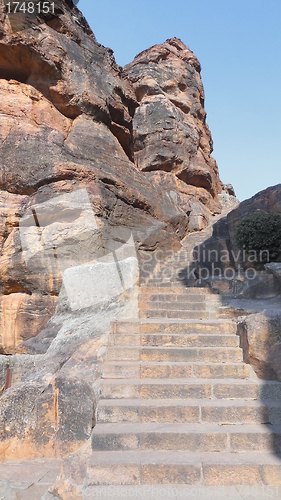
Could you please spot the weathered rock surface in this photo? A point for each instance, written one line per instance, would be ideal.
(38, 415)
(268, 200)
(22, 316)
(38, 152)
(66, 124)
(260, 335)
(231, 270)
(275, 269)
(41, 342)
(65, 63)
(170, 130)
(79, 177)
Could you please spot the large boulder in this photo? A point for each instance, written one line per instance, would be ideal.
(170, 130)
(260, 339)
(51, 412)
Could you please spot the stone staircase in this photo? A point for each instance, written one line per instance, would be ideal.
(179, 303)
(179, 406)
(177, 403)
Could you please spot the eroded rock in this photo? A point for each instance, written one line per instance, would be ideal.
(22, 316)
(261, 342)
(74, 174)
(38, 417)
(231, 270)
(170, 130)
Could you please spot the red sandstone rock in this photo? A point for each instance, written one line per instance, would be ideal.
(66, 124)
(39, 416)
(170, 130)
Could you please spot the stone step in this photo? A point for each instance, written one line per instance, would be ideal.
(147, 369)
(161, 325)
(172, 305)
(177, 277)
(185, 411)
(179, 288)
(164, 313)
(176, 274)
(154, 281)
(173, 297)
(175, 266)
(179, 340)
(183, 468)
(185, 354)
(186, 437)
(180, 389)
(172, 267)
(166, 282)
(181, 301)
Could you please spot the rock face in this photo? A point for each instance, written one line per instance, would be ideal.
(38, 414)
(70, 120)
(170, 130)
(22, 315)
(92, 156)
(260, 336)
(229, 269)
(268, 200)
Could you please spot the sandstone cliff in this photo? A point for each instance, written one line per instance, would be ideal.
(170, 130)
(136, 141)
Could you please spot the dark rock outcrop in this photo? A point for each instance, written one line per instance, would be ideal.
(268, 200)
(224, 266)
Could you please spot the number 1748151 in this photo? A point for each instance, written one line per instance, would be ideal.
(30, 7)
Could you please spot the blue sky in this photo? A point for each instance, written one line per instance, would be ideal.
(238, 44)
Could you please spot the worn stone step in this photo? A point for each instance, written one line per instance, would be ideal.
(148, 369)
(171, 278)
(180, 389)
(173, 273)
(175, 297)
(180, 288)
(187, 437)
(181, 340)
(172, 305)
(177, 279)
(163, 283)
(166, 313)
(208, 354)
(187, 468)
(161, 325)
(171, 270)
(186, 411)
